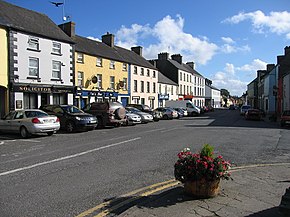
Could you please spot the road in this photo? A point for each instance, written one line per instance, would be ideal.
(66, 174)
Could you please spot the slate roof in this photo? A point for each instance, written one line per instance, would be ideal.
(164, 80)
(97, 48)
(31, 22)
(184, 67)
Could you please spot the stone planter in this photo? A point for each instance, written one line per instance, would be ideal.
(202, 188)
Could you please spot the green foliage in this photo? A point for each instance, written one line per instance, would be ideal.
(207, 151)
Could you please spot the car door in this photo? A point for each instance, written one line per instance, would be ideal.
(16, 121)
(5, 123)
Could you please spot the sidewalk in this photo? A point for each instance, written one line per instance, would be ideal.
(254, 192)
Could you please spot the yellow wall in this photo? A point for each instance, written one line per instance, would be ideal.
(3, 58)
(90, 69)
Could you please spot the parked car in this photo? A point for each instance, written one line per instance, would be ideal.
(174, 112)
(253, 114)
(132, 119)
(71, 118)
(167, 114)
(145, 117)
(180, 112)
(285, 118)
(29, 121)
(107, 113)
(244, 109)
(145, 108)
(232, 107)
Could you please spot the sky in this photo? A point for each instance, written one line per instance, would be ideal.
(228, 40)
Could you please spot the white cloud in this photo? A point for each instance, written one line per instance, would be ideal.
(93, 38)
(170, 37)
(230, 78)
(275, 22)
(228, 40)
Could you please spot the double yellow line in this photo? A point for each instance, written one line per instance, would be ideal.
(134, 195)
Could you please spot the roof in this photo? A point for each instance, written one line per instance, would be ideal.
(29, 21)
(97, 48)
(184, 67)
(164, 80)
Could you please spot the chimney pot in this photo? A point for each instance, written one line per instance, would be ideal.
(163, 56)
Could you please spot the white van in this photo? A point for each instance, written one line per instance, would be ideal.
(186, 104)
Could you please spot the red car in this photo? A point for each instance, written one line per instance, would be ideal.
(253, 114)
(285, 118)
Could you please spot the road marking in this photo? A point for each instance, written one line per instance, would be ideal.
(150, 188)
(234, 169)
(168, 130)
(67, 157)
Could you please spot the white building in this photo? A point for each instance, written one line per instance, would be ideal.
(40, 57)
(212, 95)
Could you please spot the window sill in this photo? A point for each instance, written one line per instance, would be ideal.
(57, 54)
(35, 50)
(57, 79)
(34, 78)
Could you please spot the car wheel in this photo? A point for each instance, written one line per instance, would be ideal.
(50, 133)
(70, 127)
(166, 117)
(24, 132)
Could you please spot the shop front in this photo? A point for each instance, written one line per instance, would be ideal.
(84, 97)
(161, 99)
(29, 96)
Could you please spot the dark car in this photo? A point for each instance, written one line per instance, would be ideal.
(71, 118)
(253, 114)
(107, 113)
(285, 118)
(145, 108)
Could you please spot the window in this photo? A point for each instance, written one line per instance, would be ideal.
(33, 67)
(180, 76)
(30, 100)
(112, 82)
(142, 86)
(171, 90)
(124, 66)
(112, 64)
(148, 87)
(125, 83)
(33, 43)
(99, 61)
(56, 69)
(80, 79)
(99, 83)
(165, 89)
(142, 71)
(56, 48)
(154, 74)
(160, 89)
(135, 69)
(184, 77)
(187, 77)
(148, 73)
(80, 58)
(180, 90)
(135, 86)
(154, 87)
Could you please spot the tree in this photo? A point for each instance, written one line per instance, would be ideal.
(225, 93)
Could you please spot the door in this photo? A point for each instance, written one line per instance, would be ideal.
(124, 101)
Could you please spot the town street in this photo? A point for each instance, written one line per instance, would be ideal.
(66, 174)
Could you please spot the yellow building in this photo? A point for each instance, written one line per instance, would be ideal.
(3, 72)
(100, 73)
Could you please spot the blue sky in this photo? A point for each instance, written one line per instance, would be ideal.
(228, 40)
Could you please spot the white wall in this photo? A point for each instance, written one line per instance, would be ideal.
(45, 60)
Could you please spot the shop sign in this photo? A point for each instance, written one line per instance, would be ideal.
(163, 96)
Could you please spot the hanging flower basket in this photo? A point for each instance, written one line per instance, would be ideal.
(201, 172)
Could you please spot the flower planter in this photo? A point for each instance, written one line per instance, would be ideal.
(202, 188)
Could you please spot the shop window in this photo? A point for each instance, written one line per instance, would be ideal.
(30, 100)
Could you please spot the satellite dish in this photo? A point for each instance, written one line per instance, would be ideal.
(64, 18)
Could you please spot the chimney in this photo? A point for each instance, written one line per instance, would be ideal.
(108, 39)
(177, 58)
(68, 28)
(287, 50)
(270, 67)
(163, 56)
(190, 64)
(137, 50)
(153, 62)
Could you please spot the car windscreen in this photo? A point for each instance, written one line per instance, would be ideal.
(71, 109)
(31, 114)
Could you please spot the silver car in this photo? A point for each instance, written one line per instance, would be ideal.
(145, 117)
(132, 119)
(29, 121)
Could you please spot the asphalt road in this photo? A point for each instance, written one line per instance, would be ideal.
(66, 174)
